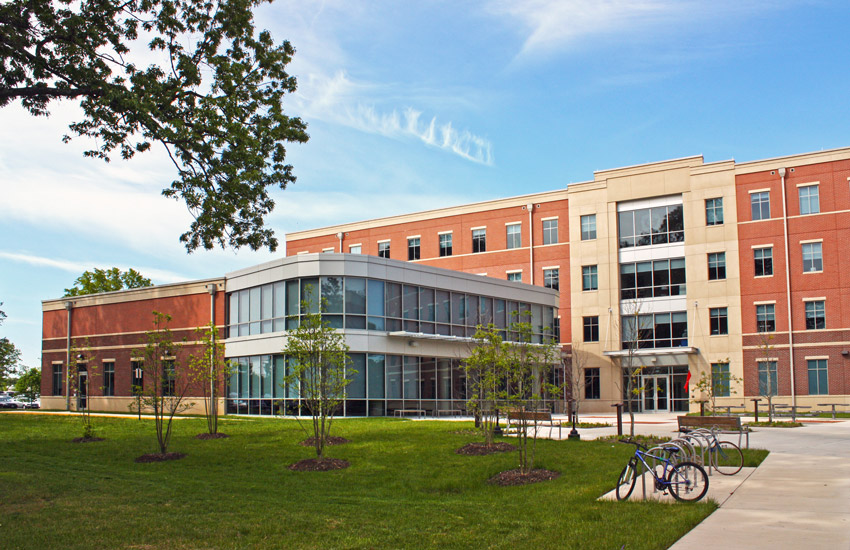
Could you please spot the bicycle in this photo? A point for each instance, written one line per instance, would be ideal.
(724, 456)
(686, 481)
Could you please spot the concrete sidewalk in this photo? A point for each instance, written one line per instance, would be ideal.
(798, 498)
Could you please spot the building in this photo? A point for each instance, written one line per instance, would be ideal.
(408, 327)
(684, 266)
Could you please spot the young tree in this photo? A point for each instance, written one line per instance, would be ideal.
(631, 363)
(766, 371)
(318, 359)
(210, 369)
(572, 367)
(29, 384)
(107, 280)
(485, 374)
(165, 386)
(85, 361)
(528, 367)
(713, 385)
(214, 102)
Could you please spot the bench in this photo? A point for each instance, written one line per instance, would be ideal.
(723, 424)
(833, 405)
(449, 412)
(535, 418)
(402, 412)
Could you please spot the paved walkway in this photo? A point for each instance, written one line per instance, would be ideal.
(798, 498)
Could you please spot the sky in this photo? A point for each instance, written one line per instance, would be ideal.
(419, 105)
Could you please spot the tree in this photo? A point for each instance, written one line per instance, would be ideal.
(10, 356)
(29, 384)
(528, 366)
(164, 387)
(572, 367)
(632, 365)
(214, 102)
(107, 280)
(318, 359)
(766, 371)
(209, 369)
(712, 385)
(485, 374)
(85, 360)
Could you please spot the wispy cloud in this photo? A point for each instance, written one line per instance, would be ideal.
(77, 267)
(550, 26)
(341, 100)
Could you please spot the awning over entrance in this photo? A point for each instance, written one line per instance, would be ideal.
(668, 356)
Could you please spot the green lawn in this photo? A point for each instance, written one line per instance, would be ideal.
(406, 488)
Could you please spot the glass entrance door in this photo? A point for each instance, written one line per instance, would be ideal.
(656, 394)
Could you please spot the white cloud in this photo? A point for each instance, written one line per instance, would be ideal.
(340, 100)
(556, 25)
(77, 267)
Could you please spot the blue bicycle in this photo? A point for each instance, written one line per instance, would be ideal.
(686, 481)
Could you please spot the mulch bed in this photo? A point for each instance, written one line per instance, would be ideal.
(218, 435)
(480, 449)
(311, 442)
(86, 439)
(159, 457)
(516, 477)
(319, 465)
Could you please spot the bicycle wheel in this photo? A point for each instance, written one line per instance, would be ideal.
(626, 483)
(688, 481)
(727, 458)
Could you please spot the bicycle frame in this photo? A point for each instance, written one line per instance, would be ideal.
(659, 482)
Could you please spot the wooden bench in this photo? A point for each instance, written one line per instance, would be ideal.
(535, 418)
(723, 424)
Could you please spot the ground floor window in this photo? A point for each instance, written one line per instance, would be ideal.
(768, 382)
(818, 379)
(57, 379)
(720, 380)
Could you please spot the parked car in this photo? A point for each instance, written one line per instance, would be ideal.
(29, 403)
(7, 402)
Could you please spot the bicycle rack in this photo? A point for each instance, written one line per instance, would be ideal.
(704, 439)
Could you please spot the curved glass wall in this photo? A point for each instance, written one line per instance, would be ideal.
(371, 304)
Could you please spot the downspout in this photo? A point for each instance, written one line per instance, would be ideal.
(530, 207)
(211, 288)
(68, 305)
(339, 236)
(788, 290)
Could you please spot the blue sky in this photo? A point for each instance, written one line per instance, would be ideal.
(417, 105)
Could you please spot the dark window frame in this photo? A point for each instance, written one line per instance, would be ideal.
(763, 261)
(414, 248)
(590, 328)
(718, 321)
(716, 266)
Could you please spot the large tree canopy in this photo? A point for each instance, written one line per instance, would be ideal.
(214, 99)
(107, 280)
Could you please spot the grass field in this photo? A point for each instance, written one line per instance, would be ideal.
(406, 488)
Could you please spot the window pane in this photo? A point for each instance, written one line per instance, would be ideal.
(627, 229)
(376, 376)
(355, 296)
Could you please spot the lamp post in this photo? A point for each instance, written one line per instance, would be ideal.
(573, 433)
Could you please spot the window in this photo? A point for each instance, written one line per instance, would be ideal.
(589, 277)
(515, 276)
(714, 211)
(648, 226)
(354, 249)
(413, 248)
(168, 377)
(138, 375)
(479, 240)
(109, 378)
(384, 250)
(718, 321)
(588, 227)
(764, 261)
(652, 279)
(591, 384)
(550, 231)
(760, 203)
(815, 315)
(812, 257)
(330, 250)
(591, 328)
(445, 244)
(720, 379)
(57, 379)
(655, 330)
(716, 266)
(768, 382)
(550, 278)
(818, 377)
(514, 239)
(765, 318)
(809, 200)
